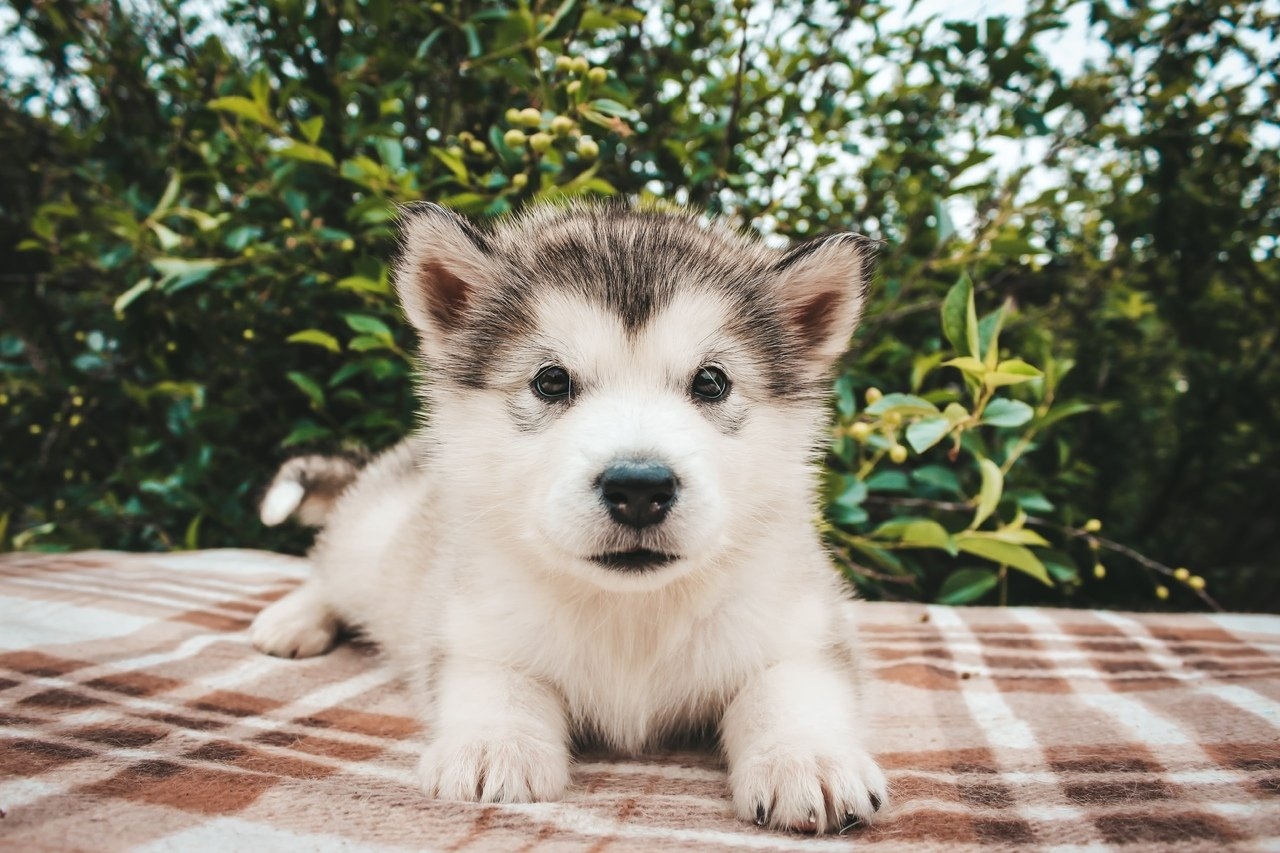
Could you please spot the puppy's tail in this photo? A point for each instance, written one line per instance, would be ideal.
(307, 488)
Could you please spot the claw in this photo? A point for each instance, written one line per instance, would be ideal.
(851, 821)
(875, 803)
(813, 817)
(761, 818)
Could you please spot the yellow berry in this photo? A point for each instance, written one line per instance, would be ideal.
(574, 87)
(1099, 571)
(248, 334)
(1195, 582)
(519, 181)
(860, 431)
(530, 117)
(74, 420)
(286, 223)
(77, 400)
(892, 419)
(512, 116)
(171, 346)
(80, 336)
(477, 147)
(560, 125)
(514, 138)
(588, 148)
(563, 63)
(898, 454)
(873, 394)
(4, 399)
(35, 429)
(580, 65)
(1181, 574)
(1162, 592)
(540, 141)
(1092, 526)
(597, 75)
(348, 245)
(68, 474)
(59, 505)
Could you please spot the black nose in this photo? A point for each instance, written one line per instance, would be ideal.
(638, 493)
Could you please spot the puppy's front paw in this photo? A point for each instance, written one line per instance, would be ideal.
(494, 768)
(825, 790)
(296, 626)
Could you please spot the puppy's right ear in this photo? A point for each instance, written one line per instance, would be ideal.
(444, 262)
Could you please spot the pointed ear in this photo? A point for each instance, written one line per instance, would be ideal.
(444, 261)
(822, 284)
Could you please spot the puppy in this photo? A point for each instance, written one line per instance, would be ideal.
(604, 528)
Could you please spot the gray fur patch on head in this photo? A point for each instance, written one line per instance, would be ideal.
(471, 293)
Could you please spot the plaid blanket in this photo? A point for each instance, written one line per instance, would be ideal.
(134, 714)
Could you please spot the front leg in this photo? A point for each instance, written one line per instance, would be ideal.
(497, 736)
(796, 760)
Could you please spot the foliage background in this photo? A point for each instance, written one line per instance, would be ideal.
(196, 214)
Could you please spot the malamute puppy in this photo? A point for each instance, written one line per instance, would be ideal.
(604, 529)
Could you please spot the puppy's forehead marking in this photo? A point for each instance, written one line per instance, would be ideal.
(596, 343)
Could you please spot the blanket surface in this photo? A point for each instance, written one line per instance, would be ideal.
(134, 714)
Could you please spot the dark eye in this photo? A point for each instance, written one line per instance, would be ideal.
(553, 383)
(710, 383)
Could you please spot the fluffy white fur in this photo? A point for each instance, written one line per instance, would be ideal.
(464, 553)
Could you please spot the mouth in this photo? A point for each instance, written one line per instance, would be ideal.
(636, 560)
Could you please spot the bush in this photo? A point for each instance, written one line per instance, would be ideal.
(198, 213)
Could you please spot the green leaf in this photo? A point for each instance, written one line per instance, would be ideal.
(183, 272)
(309, 387)
(1011, 372)
(304, 432)
(1032, 501)
(937, 477)
(613, 108)
(364, 343)
(847, 516)
(364, 284)
(903, 404)
(888, 481)
(366, 325)
(945, 226)
(191, 539)
(927, 432)
(921, 366)
(1067, 410)
(846, 399)
(317, 337)
(169, 197)
(967, 585)
(1007, 413)
(967, 364)
(1018, 536)
(452, 163)
(1015, 556)
(307, 153)
(960, 318)
(168, 238)
(311, 128)
(989, 493)
(926, 533)
(126, 299)
(989, 335)
(245, 108)
(852, 493)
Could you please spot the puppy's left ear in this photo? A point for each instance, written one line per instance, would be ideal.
(823, 284)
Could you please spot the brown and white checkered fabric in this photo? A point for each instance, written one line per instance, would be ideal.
(134, 714)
